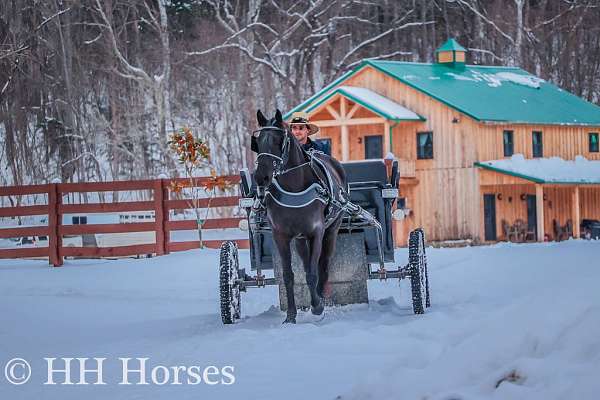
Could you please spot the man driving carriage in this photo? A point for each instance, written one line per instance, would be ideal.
(301, 128)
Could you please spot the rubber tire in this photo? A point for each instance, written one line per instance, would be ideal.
(428, 300)
(419, 279)
(230, 292)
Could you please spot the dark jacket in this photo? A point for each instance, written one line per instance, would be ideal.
(319, 146)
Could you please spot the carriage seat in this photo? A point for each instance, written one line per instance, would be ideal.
(366, 179)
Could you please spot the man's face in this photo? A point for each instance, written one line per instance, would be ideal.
(300, 132)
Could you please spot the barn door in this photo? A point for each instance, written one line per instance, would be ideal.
(489, 216)
(531, 214)
(373, 147)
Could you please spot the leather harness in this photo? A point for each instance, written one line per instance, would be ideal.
(328, 191)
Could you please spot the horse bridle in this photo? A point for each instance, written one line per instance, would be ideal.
(278, 162)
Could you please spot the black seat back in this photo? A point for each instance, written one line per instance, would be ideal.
(366, 173)
(366, 179)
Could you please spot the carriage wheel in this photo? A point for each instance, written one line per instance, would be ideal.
(229, 284)
(428, 300)
(419, 279)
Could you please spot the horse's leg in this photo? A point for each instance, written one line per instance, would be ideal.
(329, 239)
(303, 250)
(283, 246)
(306, 251)
(316, 244)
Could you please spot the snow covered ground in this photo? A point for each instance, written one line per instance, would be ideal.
(507, 322)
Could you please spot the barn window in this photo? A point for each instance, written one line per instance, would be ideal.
(509, 147)
(424, 145)
(537, 144)
(594, 142)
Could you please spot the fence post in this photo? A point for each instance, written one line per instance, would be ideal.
(54, 222)
(158, 217)
(165, 219)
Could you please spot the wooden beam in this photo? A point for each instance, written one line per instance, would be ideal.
(326, 123)
(343, 107)
(366, 121)
(356, 121)
(576, 213)
(539, 205)
(333, 113)
(353, 110)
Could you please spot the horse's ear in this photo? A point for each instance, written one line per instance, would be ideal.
(262, 120)
(278, 117)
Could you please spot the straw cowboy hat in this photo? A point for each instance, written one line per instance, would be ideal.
(301, 118)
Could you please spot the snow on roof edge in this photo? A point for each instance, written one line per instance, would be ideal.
(549, 170)
(379, 102)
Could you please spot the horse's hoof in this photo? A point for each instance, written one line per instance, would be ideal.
(318, 309)
(289, 320)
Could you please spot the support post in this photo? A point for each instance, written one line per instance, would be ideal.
(539, 205)
(576, 214)
(54, 222)
(345, 143)
(387, 138)
(344, 131)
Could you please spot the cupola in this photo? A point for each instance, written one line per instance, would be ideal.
(451, 53)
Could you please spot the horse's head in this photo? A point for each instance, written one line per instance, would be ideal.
(271, 142)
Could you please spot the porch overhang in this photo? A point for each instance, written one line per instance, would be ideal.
(378, 104)
(546, 171)
(348, 106)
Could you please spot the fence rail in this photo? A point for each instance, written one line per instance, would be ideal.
(162, 225)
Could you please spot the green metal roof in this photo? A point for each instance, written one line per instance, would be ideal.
(493, 94)
(450, 45)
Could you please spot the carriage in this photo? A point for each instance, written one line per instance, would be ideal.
(364, 239)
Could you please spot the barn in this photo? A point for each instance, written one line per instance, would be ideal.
(486, 153)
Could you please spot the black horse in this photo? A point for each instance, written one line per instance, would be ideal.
(283, 165)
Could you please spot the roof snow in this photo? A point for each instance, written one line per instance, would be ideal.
(379, 104)
(548, 170)
(495, 80)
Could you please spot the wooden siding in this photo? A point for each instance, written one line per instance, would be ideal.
(333, 133)
(558, 204)
(357, 138)
(558, 141)
(447, 201)
(589, 198)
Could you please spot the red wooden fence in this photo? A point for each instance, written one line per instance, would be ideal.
(162, 226)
